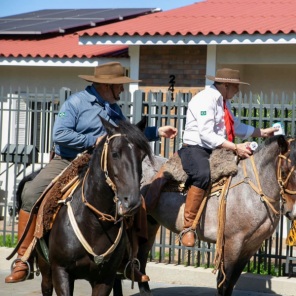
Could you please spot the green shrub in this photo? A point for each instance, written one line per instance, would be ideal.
(7, 242)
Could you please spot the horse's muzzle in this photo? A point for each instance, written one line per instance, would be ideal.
(289, 216)
(124, 209)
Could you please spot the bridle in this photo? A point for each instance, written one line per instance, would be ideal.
(98, 259)
(104, 166)
(104, 162)
(283, 183)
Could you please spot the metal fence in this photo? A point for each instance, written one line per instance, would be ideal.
(26, 121)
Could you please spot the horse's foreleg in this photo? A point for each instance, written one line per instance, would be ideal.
(236, 257)
(102, 289)
(232, 277)
(117, 287)
(62, 282)
(227, 277)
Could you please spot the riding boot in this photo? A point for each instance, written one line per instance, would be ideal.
(153, 193)
(20, 270)
(194, 198)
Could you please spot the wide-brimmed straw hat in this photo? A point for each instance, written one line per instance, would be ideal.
(226, 75)
(109, 73)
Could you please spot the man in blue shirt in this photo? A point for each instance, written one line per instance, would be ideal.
(78, 127)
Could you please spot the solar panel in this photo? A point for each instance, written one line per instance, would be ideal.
(60, 20)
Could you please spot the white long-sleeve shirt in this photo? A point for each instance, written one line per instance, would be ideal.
(205, 124)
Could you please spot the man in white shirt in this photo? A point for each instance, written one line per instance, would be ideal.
(209, 125)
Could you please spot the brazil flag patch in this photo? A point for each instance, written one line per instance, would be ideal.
(203, 113)
(62, 114)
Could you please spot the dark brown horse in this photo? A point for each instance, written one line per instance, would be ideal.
(88, 239)
(264, 188)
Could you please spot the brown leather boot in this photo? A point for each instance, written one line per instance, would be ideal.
(20, 270)
(194, 198)
(153, 193)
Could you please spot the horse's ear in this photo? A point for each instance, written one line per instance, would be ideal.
(142, 123)
(283, 144)
(110, 128)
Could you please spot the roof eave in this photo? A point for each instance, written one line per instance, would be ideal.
(55, 62)
(210, 39)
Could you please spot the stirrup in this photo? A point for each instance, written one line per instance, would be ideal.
(134, 263)
(184, 231)
(26, 262)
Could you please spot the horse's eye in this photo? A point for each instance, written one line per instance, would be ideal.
(115, 155)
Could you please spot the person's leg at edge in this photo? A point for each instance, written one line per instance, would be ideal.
(195, 162)
(31, 192)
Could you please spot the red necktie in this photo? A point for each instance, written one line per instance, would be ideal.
(228, 123)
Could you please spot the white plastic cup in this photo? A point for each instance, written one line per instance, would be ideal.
(253, 146)
(281, 130)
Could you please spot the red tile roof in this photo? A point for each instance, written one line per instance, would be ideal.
(57, 47)
(210, 17)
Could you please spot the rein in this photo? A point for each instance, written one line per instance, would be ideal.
(98, 259)
(258, 188)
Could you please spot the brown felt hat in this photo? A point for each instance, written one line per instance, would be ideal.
(226, 75)
(109, 73)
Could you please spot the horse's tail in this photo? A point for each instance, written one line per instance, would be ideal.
(20, 188)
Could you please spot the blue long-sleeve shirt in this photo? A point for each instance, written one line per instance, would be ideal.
(78, 124)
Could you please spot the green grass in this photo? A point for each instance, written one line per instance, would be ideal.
(8, 241)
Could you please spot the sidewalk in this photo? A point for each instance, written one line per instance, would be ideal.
(166, 280)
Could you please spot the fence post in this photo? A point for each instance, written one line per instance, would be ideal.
(137, 106)
(65, 93)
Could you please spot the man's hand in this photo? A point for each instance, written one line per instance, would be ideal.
(167, 131)
(264, 132)
(268, 132)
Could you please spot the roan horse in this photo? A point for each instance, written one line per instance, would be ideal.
(264, 187)
(88, 239)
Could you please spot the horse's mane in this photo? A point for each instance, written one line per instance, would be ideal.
(273, 139)
(266, 142)
(293, 152)
(136, 137)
